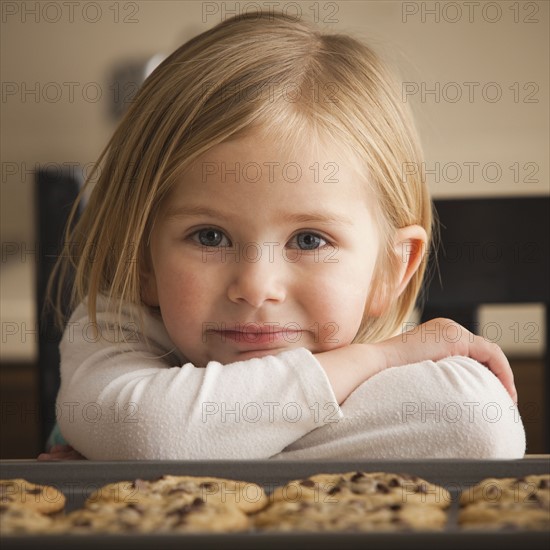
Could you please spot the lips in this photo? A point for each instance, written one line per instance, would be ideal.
(253, 328)
(262, 335)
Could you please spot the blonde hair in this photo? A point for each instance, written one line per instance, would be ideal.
(260, 71)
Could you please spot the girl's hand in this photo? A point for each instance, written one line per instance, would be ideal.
(440, 338)
(61, 452)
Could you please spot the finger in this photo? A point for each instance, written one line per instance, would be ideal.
(70, 455)
(494, 358)
(45, 456)
(503, 371)
(60, 448)
(54, 456)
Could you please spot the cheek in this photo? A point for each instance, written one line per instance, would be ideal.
(336, 303)
(182, 296)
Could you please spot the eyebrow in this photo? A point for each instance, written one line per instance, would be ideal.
(318, 216)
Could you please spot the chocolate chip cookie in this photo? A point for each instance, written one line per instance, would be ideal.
(246, 496)
(499, 515)
(40, 498)
(534, 489)
(377, 487)
(20, 520)
(512, 502)
(348, 515)
(185, 513)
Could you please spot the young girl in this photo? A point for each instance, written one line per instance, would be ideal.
(246, 262)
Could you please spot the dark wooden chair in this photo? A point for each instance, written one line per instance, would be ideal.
(55, 193)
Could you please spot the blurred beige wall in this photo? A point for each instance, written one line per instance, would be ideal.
(476, 74)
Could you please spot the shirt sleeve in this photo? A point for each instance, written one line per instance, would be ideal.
(129, 399)
(454, 408)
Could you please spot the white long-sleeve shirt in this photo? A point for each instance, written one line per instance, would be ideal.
(140, 399)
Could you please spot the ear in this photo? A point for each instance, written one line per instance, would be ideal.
(409, 248)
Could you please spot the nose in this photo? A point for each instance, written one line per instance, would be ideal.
(256, 282)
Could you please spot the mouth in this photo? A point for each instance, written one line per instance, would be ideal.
(249, 338)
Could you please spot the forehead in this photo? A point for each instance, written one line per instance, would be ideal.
(256, 164)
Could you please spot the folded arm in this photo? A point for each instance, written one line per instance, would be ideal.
(120, 401)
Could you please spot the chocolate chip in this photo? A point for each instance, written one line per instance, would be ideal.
(187, 508)
(35, 491)
(395, 507)
(421, 489)
(181, 511)
(544, 484)
(394, 482)
(307, 483)
(381, 488)
(207, 485)
(334, 490)
(357, 476)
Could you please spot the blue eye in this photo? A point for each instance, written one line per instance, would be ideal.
(310, 241)
(210, 236)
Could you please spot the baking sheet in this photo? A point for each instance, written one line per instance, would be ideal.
(78, 479)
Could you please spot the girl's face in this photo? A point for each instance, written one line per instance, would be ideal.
(254, 254)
